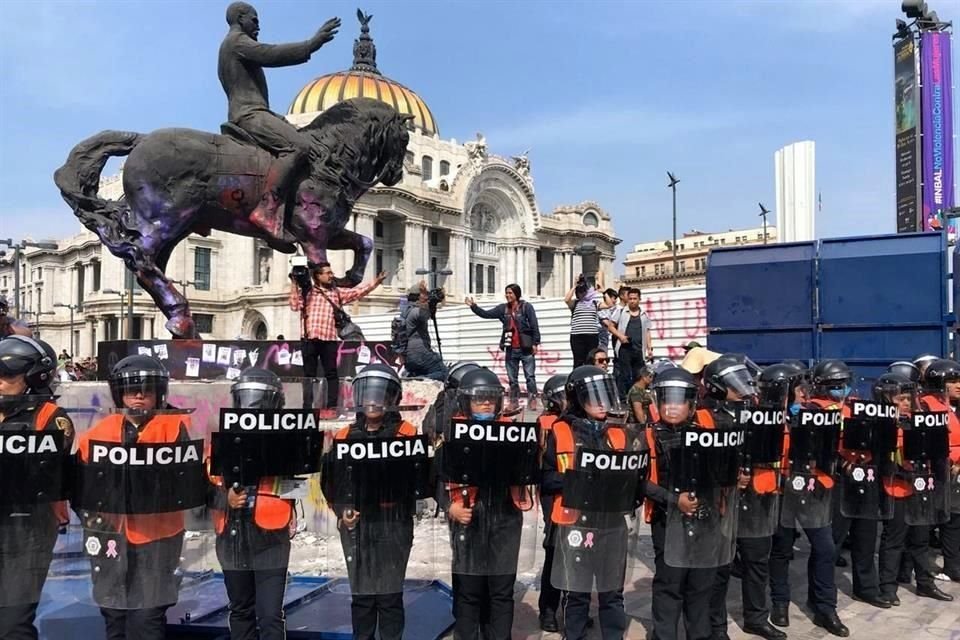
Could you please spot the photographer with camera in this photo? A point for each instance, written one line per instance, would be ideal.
(520, 338)
(584, 303)
(419, 359)
(324, 322)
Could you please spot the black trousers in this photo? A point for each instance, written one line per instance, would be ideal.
(549, 594)
(483, 603)
(611, 615)
(256, 600)
(136, 624)
(821, 583)
(323, 352)
(383, 610)
(900, 539)
(863, 545)
(679, 591)
(755, 559)
(581, 344)
(950, 545)
(16, 622)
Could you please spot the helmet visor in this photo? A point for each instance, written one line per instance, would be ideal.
(256, 395)
(676, 403)
(374, 392)
(598, 396)
(555, 398)
(15, 364)
(774, 394)
(739, 380)
(142, 392)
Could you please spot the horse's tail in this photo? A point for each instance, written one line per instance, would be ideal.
(79, 181)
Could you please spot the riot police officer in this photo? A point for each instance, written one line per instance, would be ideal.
(29, 517)
(554, 401)
(591, 542)
(133, 514)
(486, 520)
(900, 536)
(807, 499)
(943, 376)
(374, 498)
(677, 587)
(253, 530)
(732, 388)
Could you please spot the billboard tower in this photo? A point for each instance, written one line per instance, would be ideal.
(923, 107)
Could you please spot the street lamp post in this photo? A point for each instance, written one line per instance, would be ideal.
(73, 342)
(763, 214)
(37, 314)
(673, 186)
(17, 248)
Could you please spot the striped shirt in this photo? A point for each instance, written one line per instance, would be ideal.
(586, 319)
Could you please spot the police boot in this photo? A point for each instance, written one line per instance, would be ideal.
(548, 621)
(832, 623)
(934, 592)
(780, 614)
(764, 630)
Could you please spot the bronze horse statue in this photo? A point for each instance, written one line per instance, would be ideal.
(181, 181)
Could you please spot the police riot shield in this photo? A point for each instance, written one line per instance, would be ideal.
(869, 441)
(704, 468)
(373, 483)
(814, 439)
(34, 476)
(594, 529)
(260, 463)
(759, 500)
(489, 470)
(926, 448)
(955, 487)
(138, 478)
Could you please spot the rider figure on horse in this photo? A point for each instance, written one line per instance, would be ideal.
(240, 68)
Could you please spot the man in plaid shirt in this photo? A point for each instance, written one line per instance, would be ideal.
(320, 338)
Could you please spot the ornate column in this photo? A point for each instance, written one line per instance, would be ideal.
(411, 254)
(425, 251)
(523, 274)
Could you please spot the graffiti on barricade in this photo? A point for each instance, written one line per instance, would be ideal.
(675, 322)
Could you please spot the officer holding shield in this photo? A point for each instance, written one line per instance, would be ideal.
(554, 402)
(594, 470)
(488, 488)
(253, 529)
(138, 472)
(735, 404)
(373, 477)
(35, 440)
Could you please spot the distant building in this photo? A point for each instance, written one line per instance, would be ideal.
(795, 169)
(650, 264)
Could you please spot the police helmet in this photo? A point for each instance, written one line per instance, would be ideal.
(31, 358)
(139, 373)
(377, 386)
(257, 388)
(906, 369)
(831, 374)
(590, 385)
(776, 382)
(457, 371)
(481, 385)
(890, 387)
(555, 393)
(676, 390)
(728, 373)
(923, 360)
(939, 372)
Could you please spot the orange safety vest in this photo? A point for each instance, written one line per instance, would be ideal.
(545, 422)
(824, 479)
(141, 528)
(269, 511)
(521, 496)
(40, 420)
(934, 403)
(704, 419)
(567, 459)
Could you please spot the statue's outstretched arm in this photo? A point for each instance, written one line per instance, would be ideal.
(273, 55)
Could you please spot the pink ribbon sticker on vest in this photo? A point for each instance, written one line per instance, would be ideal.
(112, 549)
(812, 484)
(589, 541)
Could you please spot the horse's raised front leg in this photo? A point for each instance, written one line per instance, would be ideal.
(169, 300)
(362, 247)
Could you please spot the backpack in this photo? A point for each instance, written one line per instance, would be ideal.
(398, 332)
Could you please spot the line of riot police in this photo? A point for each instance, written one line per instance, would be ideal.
(724, 472)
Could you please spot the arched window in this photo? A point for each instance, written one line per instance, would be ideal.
(426, 168)
(590, 219)
(444, 168)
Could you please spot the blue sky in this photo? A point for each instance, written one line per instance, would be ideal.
(607, 95)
